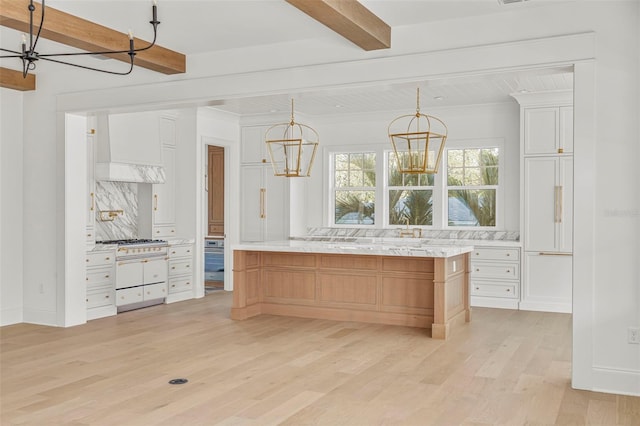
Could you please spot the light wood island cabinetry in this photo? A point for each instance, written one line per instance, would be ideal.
(428, 292)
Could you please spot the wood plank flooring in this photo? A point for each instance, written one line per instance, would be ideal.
(505, 367)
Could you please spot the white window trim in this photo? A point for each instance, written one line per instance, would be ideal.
(383, 154)
(500, 198)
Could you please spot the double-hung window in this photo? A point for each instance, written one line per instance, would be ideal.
(472, 186)
(409, 196)
(354, 188)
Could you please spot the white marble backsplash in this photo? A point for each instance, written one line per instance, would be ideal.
(113, 196)
(342, 233)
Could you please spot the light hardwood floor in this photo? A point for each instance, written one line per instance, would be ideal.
(505, 367)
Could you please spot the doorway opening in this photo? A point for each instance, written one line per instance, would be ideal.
(214, 239)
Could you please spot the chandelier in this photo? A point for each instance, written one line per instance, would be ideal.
(29, 55)
(418, 141)
(292, 148)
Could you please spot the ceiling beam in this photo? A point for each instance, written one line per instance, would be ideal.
(12, 79)
(73, 31)
(350, 19)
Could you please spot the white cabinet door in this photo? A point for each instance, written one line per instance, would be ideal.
(548, 203)
(264, 204)
(548, 130)
(541, 130)
(277, 206)
(547, 283)
(164, 210)
(540, 177)
(565, 198)
(252, 203)
(566, 129)
(90, 208)
(252, 146)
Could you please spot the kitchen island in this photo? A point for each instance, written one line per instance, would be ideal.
(405, 284)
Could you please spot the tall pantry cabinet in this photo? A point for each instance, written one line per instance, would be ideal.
(547, 200)
(264, 203)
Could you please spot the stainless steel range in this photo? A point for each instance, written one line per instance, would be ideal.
(141, 272)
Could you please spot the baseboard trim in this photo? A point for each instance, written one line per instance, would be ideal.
(10, 316)
(35, 316)
(564, 308)
(616, 381)
(485, 302)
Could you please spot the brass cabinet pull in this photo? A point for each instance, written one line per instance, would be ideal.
(557, 194)
(542, 253)
(155, 202)
(93, 204)
(263, 192)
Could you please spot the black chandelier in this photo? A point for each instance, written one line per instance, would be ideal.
(30, 56)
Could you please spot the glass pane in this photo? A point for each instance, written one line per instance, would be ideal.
(355, 208)
(455, 158)
(369, 161)
(411, 180)
(355, 178)
(395, 177)
(490, 157)
(369, 178)
(455, 177)
(412, 205)
(342, 179)
(356, 161)
(472, 176)
(471, 157)
(426, 180)
(472, 207)
(342, 162)
(490, 175)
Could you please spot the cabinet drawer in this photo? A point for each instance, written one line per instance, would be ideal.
(102, 296)
(494, 289)
(129, 295)
(100, 258)
(177, 285)
(180, 251)
(164, 231)
(180, 267)
(154, 291)
(505, 271)
(485, 253)
(99, 276)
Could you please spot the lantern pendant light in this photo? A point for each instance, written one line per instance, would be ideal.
(292, 148)
(418, 141)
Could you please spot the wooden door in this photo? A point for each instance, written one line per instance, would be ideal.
(216, 191)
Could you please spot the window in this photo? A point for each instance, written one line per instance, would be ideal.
(354, 188)
(472, 185)
(410, 196)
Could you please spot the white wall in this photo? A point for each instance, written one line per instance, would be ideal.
(11, 212)
(498, 122)
(608, 221)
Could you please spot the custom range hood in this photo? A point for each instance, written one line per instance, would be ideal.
(129, 148)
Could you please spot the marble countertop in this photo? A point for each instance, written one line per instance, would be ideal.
(414, 248)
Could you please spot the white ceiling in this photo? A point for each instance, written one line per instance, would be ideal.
(203, 26)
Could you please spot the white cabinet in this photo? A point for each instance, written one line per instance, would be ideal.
(164, 210)
(253, 148)
(180, 272)
(547, 282)
(133, 273)
(160, 199)
(100, 283)
(90, 204)
(548, 200)
(264, 204)
(495, 277)
(548, 130)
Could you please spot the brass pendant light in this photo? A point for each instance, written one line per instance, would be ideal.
(418, 141)
(292, 148)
